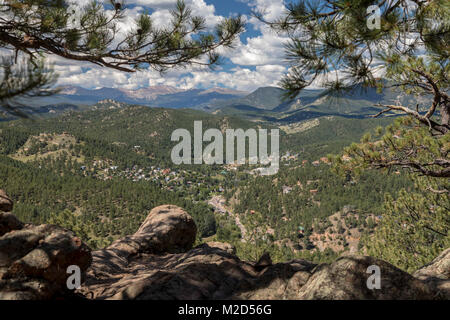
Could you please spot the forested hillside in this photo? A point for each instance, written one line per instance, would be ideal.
(99, 172)
(113, 132)
(98, 211)
(326, 135)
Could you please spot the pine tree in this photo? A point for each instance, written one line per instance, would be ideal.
(340, 45)
(415, 226)
(33, 29)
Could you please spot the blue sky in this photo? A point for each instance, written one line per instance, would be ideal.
(256, 61)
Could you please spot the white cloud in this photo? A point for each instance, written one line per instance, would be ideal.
(258, 61)
(161, 15)
(261, 50)
(270, 9)
(266, 48)
(240, 78)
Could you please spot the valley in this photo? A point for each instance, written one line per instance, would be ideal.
(121, 153)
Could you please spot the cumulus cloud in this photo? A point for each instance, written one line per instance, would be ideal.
(162, 8)
(266, 48)
(260, 50)
(257, 61)
(270, 10)
(239, 78)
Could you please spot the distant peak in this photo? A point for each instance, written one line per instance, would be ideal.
(224, 91)
(268, 88)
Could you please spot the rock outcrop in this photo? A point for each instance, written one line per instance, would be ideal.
(149, 265)
(6, 203)
(205, 272)
(211, 273)
(437, 274)
(158, 262)
(167, 229)
(346, 279)
(8, 223)
(34, 259)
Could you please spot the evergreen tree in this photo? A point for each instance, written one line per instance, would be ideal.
(344, 45)
(33, 29)
(415, 226)
(339, 44)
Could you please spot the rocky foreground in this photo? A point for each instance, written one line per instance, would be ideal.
(158, 262)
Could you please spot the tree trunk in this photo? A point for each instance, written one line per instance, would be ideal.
(445, 114)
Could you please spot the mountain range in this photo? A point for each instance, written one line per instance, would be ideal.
(266, 103)
(155, 96)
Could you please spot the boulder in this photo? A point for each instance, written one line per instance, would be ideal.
(437, 274)
(8, 223)
(6, 203)
(222, 246)
(34, 262)
(346, 279)
(167, 229)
